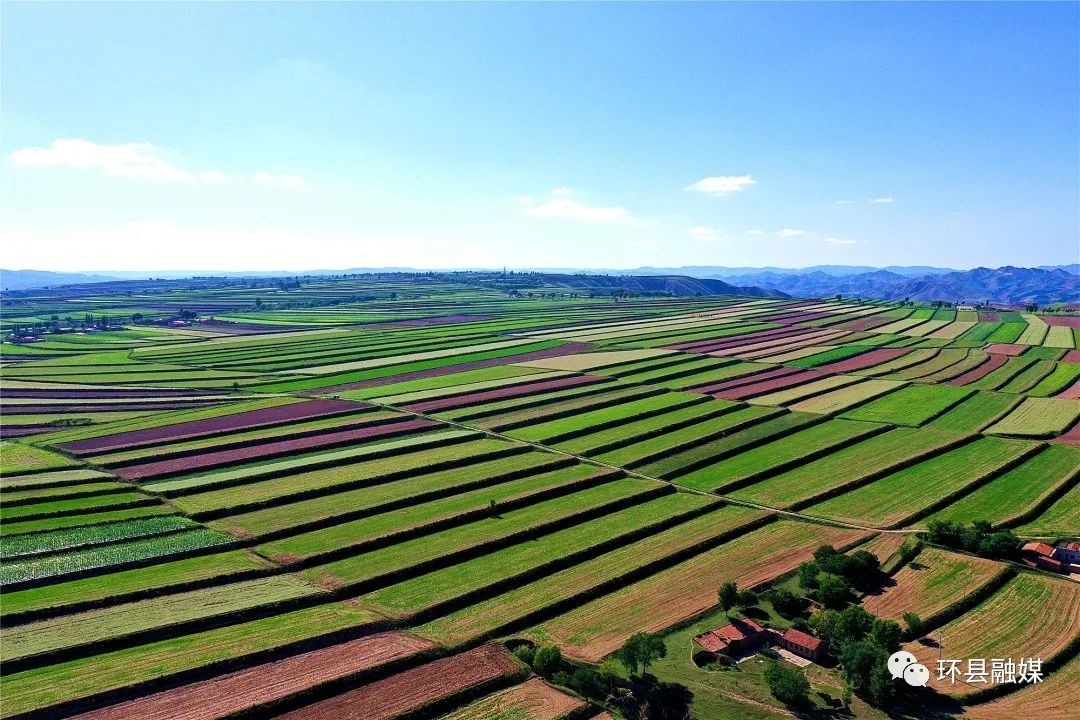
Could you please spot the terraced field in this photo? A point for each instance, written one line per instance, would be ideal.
(346, 509)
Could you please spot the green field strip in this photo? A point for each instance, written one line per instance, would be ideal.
(971, 360)
(828, 356)
(1035, 332)
(695, 365)
(903, 496)
(206, 653)
(1059, 336)
(21, 546)
(253, 496)
(347, 538)
(565, 428)
(780, 455)
(663, 339)
(1061, 519)
(944, 359)
(292, 518)
(977, 336)
(846, 398)
(536, 401)
(468, 388)
(806, 391)
(754, 429)
(1028, 378)
(523, 562)
(58, 478)
(911, 359)
(610, 438)
(76, 506)
(439, 382)
(670, 442)
(52, 568)
(1038, 418)
(326, 461)
(431, 551)
(30, 496)
(708, 376)
(860, 463)
(1015, 493)
(1012, 367)
(245, 438)
(125, 585)
(56, 639)
(575, 585)
(913, 405)
(650, 364)
(83, 519)
(1063, 377)
(19, 459)
(975, 413)
(576, 406)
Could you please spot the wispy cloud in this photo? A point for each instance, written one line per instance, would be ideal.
(880, 200)
(790, 233)
(561, 206)
(130, 160)
(845, 202)
(838, 241)
(755, 231)
(720, 185)
(704, 232)
(285, 180)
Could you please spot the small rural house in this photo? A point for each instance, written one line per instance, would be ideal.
(738, 637)
(802, 644)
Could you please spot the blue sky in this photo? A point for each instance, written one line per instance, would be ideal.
(316, 135)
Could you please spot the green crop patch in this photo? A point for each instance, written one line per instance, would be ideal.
(69, 538)
(913, 405)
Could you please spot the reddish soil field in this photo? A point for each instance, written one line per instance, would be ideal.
(501, 393)
(102, 393)
(1072, 435)
(797, 318)
(1005, 349)
(767, 386)
(1072, 356)
(567, 349)
(1072, 321)
(747, 380)
(413, 689)
(722, 343)
(7, 431)
(110, 407)
(239, 691)
(437, 320)
(985, 316)
(867, 359)
(205, 460)
(991, 364)
(225, 423)
(1071, 393)
(777, 345)
(863, 324)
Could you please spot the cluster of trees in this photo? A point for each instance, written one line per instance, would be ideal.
(831, 576)
(788, 684)
(56, 326)
(979, 538)
(730, 596)
(862, 643)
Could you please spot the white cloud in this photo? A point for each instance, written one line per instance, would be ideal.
(570, 209)
(845, 202)
(838, 241)
(283, 180)
(880, 200)
(721, 185)
(703, 232)
(755, 231)
(561, 191)
(212, 176)
(131, 160)
(790, 233)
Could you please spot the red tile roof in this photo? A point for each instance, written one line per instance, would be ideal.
(1073, 546)
(1040, 548)
(798, 637)
(718, 639)
(711, 642)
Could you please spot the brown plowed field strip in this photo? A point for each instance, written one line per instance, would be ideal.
(415, 688)
(238, 691)
(531, 700)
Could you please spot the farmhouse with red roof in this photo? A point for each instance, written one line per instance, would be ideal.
(738, 637)
(802, 644)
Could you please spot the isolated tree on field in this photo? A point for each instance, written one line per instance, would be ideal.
(914, 624)
(547, 660)
(728, 594)
(640, 651)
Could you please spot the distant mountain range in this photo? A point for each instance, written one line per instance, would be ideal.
(1003, 286)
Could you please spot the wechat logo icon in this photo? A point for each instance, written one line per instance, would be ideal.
(902, 665)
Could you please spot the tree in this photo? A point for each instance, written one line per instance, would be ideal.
(640, 651)
(747, 598)
(886, 634)
(882, 689)
(547, 660)
(833, 591)
(858, 660)
(808, 575)
(786, 603)
(728, 595)
(914, 624)
(787, 684)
